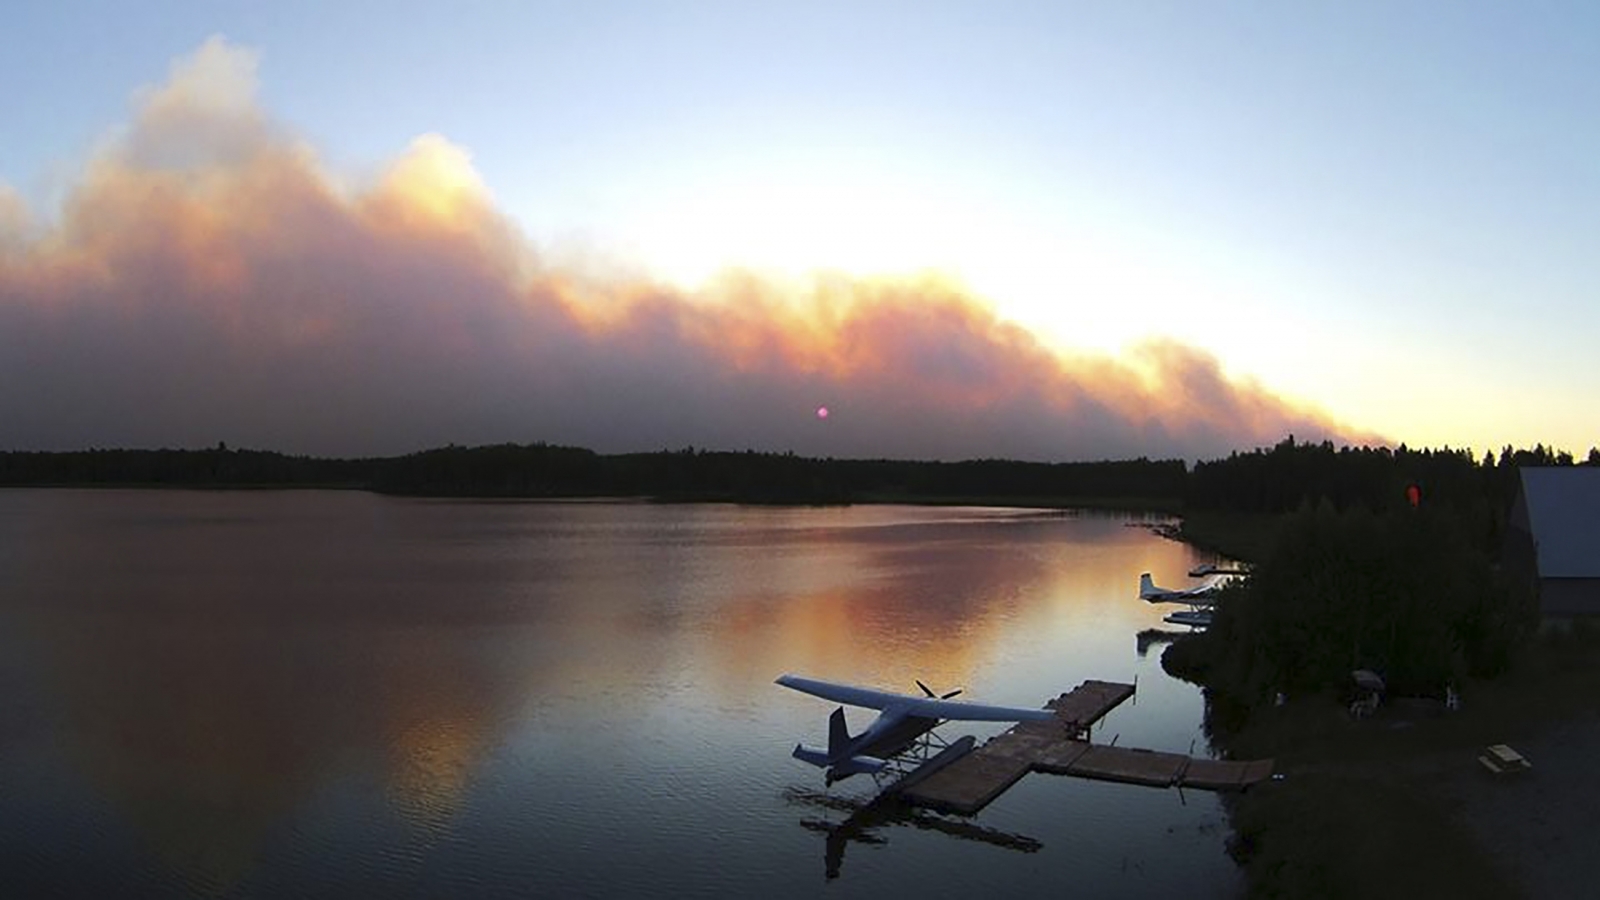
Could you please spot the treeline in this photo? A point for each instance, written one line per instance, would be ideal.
(217, 467)
(1288, 476)
(545, 470)
(1292, 476)
(1411, 594)
(1357, 576)
(1274, 480)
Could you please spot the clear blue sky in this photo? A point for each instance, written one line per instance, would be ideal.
(1387, 209)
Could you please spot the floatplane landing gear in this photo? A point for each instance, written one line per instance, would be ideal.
(902, 765)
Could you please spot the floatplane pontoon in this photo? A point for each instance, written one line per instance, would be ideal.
(1194, 618)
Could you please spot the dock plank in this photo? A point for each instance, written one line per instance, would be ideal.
(1089, 702)
(1213, 774)
(1226, 774)
(1129, 764)
(1256, 770)
(969, 784)
(1058, 759)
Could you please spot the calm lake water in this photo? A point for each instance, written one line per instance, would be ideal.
(330, 694)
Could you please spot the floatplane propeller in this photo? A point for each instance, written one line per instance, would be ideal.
(929, 691)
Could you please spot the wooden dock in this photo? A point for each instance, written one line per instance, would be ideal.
(1060, 747)
(1087, 704)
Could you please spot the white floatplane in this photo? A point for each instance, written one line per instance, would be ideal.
(1200, 595)
(903, 725)
(1205, 569)
(1194, 618)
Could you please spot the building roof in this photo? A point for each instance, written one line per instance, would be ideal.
(1563, 506)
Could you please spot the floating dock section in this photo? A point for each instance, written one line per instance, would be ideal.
(970, 782)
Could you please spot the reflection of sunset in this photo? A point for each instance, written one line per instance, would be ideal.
(432, 761)
(205, 740)
(434, 724)
(206, 760)
(372, 684)
(938, 614)
(210, 695)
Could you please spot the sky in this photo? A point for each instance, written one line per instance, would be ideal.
(1048, 231)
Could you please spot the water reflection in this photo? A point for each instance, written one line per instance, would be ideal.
(208, 676)
(1154, 637)
(913, 624)
(206, 737)
(930, 600)
(865, 820)
(261, 694)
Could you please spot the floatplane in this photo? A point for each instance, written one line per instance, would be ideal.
(1205, 569)
(901, 741)
(1200, 599)
(1200, 595)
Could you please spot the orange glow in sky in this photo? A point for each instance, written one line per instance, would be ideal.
(209, 268)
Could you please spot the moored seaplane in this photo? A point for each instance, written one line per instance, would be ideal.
(904, 723)
(1205, 569)
(1200, 595)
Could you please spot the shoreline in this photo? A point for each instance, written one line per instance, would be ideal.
(1397, 804)
(1143, 505)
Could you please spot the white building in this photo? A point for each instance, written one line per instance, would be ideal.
(1554, 538)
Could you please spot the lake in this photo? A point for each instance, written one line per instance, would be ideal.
(339, 694)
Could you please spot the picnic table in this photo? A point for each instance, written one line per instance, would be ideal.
(1500, 759)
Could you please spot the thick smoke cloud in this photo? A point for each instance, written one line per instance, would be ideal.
(207, 279)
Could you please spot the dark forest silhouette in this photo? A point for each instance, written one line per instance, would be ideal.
(548, 471)
(1354, 574)
(1280, 479)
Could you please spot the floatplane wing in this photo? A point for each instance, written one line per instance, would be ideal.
(903, 722)
(921, 707)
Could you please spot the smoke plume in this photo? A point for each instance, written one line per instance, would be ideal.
(208, 278)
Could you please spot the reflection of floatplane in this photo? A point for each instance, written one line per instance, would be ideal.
(961, 777)
(1150, 637)
(902, 733)
(866, 819)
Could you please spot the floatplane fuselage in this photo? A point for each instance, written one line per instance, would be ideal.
(903, 719)
(1199, 596)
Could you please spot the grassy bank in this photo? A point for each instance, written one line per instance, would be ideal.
(1355, 833)
(1393, 805)
(1368, 808)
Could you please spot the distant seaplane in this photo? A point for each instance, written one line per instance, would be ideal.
(1200, 599)
(903, 721)
(1200, 595)
(1205, 569)
(1194, 618)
